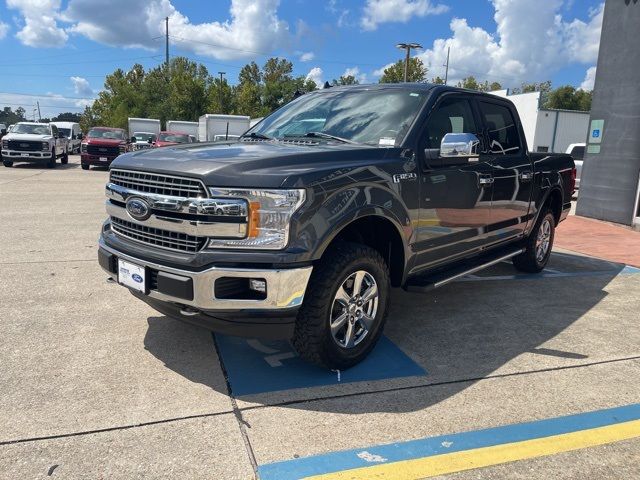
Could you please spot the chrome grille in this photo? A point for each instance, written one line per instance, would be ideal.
(156, 237)
(158, 183)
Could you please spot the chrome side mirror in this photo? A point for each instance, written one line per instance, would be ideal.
(459, 145)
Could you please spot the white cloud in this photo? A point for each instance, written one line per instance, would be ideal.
(380, 71)
(4, 28)
(355, 72)
(81, 86)
(315, 74)
(307, 56)
(341, 13)
(589, 79)
(40, 27)
(527, 45)
(253, 26)
(384, 11)
(50, 105)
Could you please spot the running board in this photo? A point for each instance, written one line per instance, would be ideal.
(427, 282)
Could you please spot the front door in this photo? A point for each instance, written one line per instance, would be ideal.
(455, 194)
(513, 174)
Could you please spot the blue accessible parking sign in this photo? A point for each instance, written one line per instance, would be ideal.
(259, 366)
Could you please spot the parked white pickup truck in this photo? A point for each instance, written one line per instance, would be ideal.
(34, 142)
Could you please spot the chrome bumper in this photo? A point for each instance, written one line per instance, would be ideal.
(285, 287)
(37, 155)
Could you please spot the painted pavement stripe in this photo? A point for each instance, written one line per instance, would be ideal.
(386, 455)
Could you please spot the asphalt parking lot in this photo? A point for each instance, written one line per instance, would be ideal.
(95, 384)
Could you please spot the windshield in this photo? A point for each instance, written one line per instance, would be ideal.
(174, 137)
(374, 117)
(31, 129)
(107, 134)
(144, 137)
(65, 131)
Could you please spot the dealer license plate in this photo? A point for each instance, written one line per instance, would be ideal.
(131, 275)
(103, 159)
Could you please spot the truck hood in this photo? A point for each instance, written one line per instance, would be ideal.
(27, 137)
(247, 164)
(105, 142)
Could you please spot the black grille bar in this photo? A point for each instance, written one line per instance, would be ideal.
(156, 237)
(158, 184)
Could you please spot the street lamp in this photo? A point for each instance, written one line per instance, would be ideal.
(407, 47)
(221, 93)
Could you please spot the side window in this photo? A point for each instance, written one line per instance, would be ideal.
(502, 130)
(54, 130)
(452, 115)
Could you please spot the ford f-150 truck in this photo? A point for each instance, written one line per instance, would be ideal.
(300, 229)
(34, 142)
(102, 145)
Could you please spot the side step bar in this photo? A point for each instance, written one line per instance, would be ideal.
(427, 282)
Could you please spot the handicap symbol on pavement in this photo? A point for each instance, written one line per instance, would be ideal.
(260, 366)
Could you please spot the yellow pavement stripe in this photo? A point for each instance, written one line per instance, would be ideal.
(487, 456)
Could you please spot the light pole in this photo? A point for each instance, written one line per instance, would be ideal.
(221, 80)
(407, 47)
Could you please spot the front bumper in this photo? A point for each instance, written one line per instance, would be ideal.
(26, 156)
(89, 159)
(190, 296)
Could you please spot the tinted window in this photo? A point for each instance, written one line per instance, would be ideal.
(577, 153)
(452, 115)
(502, 130)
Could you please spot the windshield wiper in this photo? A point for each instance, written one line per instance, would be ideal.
(329, 137)
(260, 136)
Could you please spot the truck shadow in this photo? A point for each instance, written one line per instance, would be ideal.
(493, 324)
(42, 166)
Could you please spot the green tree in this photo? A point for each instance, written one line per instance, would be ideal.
(278, 83)
(568, 98)
(416, 72)
(469, 83)
(220, 97)
(187, 89)
(437, 81)
(345, 80)
(249, 91)
(9, 117)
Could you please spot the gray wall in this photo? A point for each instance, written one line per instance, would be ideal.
(609, 180)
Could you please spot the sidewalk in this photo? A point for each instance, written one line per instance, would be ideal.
(599, 239)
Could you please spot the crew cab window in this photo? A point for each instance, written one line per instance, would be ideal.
(577, 152)
(502, 130)
(452, 115)
(54, 130)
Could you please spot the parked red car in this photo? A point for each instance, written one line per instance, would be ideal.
(102, 145)
(165, 139)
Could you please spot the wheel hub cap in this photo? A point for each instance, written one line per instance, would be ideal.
(354, 309)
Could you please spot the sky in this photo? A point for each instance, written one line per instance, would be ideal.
(57, 52)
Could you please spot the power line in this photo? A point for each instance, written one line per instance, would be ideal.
(73, 107)
(48, 95)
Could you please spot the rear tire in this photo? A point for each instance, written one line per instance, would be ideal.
(52, 161)
(538, 245)
(65, 158)
(357, 315)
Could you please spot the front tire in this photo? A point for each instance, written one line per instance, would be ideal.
(538, 245)
(7, 163)
(84, 166)
(52, 161)
(345, 307)
(65, 157)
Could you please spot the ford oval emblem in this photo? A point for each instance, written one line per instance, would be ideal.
(136, 278)
(138, 209)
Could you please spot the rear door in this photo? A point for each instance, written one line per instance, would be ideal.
(455, 203)
(513, 176)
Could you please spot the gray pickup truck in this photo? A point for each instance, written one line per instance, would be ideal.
(301, 227)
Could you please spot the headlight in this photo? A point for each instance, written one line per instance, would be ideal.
(270, 213)
(5, 143)
(83, 148)
(45, 146)
(123, 148)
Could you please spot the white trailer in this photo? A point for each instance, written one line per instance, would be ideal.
(182, 126)
(144, 125)
(219, 127)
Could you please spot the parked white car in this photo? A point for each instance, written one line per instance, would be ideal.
(34, 142)
(576, 150)
(143, 140)
(72, 131)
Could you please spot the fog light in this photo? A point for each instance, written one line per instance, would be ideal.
(258, 285)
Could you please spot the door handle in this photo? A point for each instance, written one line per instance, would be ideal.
(526, 176)
(485, 180)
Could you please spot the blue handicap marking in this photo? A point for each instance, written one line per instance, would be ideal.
(595, 133)
(259, 366)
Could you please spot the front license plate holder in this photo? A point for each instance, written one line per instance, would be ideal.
(132, 276)
(103, 159)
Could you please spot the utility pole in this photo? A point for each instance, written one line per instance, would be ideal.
(407, 47)
(446, 72)
(221, 80)
(39, 116)
(166, 49)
